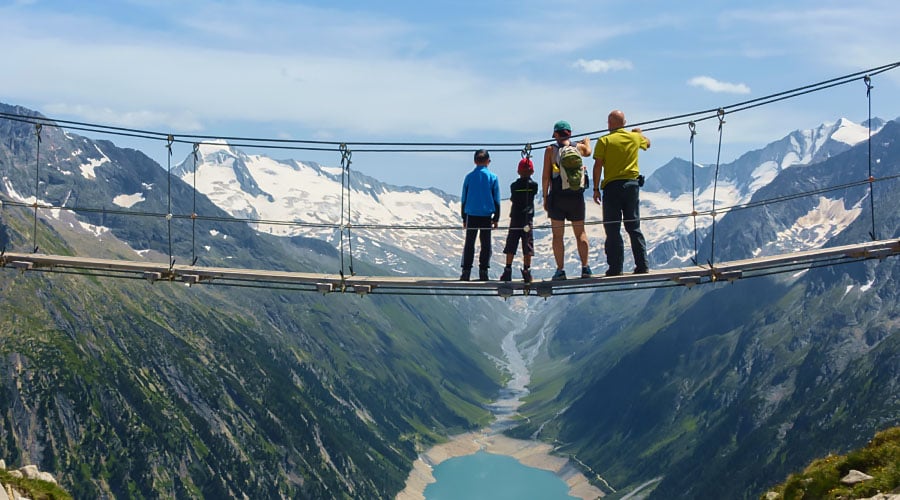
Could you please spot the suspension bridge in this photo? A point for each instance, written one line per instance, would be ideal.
(345, 280)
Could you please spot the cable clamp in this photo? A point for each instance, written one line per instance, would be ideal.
(345, 155)
(693, 128)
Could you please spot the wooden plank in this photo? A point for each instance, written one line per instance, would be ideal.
(855, 251)
(367, 284)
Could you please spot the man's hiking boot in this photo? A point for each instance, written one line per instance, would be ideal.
(641, 270)
(586, 272)
(483, 274)
(507, 274)
(559, 275)
(526, 275)
(466, 272)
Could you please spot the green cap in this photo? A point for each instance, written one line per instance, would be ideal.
(562, 125)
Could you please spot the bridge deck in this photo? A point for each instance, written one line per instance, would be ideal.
(325, 283)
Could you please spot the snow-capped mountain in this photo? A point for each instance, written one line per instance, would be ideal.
(425, 222)
(667, 192)
(412, 221)
(417, 230)
(305, 199)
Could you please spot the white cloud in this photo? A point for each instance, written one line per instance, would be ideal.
(189, 88)
(140, 119)
(602, 66)
(841, 34)
(713, 85)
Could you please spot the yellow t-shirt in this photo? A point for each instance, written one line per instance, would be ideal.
(619, 152)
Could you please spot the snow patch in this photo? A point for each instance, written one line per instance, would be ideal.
(128, 200)
(88, 170)
(7, 185)
(823, 222)
(763, 175)
(850, 133)
(97, 231)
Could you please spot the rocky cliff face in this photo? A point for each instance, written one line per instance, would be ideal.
(124, 388)
(29, 482)
(750, 380)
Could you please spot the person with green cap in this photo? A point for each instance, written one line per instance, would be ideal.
(566, 203)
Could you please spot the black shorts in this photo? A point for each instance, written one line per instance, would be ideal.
(565, 206)
(515, 234)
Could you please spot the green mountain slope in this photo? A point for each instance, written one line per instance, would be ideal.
(879, 459)
(721, 390)
(126, 389)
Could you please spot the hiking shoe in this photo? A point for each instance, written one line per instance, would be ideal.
(483, 275)
(526, 275)
(611, 272)
(507, 274)
(641, 270)
(586, 272)
(559, 275)
(465, 274)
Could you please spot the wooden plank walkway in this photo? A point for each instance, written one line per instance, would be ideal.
(326, 283)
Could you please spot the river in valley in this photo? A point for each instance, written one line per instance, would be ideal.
(488, 465)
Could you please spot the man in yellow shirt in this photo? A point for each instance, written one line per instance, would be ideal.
(616, 156)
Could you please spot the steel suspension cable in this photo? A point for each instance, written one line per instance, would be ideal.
(693, 128)
(169, 142)
(712, 250)
(268, 142)
(346, 155)
(768, 99)
(868, 81)
(194, 209)
(37, 184)
(3, 236)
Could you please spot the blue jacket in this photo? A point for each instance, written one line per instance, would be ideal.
(481, 193)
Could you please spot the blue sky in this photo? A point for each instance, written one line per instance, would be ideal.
(460, 71)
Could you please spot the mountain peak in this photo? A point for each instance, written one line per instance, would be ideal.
(215, 147)
(849, 133)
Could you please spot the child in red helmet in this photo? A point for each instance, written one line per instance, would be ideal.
(521, 218)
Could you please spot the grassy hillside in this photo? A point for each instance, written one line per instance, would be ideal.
(124, 388)
(880, 459)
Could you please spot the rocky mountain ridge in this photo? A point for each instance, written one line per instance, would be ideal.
(222, 373)
(261, 188)
(763, 374)
(124, 388)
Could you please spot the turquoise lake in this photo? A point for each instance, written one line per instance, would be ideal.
(495, 477)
